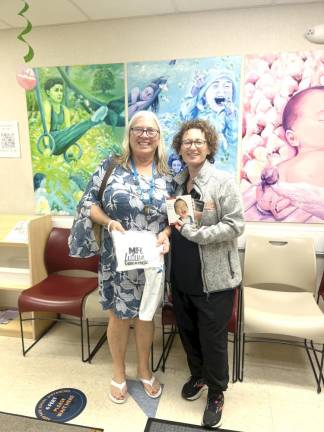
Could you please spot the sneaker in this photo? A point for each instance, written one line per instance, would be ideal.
(213, 411)
(99, 115)
(193, 389)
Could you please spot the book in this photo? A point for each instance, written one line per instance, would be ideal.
(180, 208)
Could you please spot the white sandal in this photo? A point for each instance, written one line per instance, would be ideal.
(150, 383)
(120, 387)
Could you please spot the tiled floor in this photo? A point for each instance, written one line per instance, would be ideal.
(277, 395)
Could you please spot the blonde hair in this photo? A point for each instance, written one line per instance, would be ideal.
(160, 156)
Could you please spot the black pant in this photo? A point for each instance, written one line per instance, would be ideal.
(202, 322)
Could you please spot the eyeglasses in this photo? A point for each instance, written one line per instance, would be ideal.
(197, 143)
(150, 132)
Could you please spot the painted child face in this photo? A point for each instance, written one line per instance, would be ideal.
(308, 128)
(176, 166)
(219, 92)
(181, 209)
(147, 93)
(55, 93)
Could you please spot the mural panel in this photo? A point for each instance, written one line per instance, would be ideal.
(76, 118)
(283, 138)
(178, 90)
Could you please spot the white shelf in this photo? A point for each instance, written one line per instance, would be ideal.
(14, 278)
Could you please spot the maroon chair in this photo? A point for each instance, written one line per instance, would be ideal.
(169, 330)
(60, 294)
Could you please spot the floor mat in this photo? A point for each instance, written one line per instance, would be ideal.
(18, 423)
(158, 425)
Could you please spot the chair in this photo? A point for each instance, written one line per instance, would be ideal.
(169, 331)
(279, 297)
(70, 288)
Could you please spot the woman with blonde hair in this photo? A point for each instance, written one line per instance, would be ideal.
(133, 199)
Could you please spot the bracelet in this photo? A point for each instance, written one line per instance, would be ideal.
(108, 226)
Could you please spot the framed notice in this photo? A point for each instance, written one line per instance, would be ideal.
(9, 139)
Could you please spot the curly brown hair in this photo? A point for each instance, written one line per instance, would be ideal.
(208, 130)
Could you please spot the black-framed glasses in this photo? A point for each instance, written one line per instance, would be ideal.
(150, 132)
(197, 143)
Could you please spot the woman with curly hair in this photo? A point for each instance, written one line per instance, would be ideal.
(205, 265)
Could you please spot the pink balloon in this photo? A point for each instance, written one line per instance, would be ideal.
(26, 78)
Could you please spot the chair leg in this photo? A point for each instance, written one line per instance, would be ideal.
(241, 373)
(319, 362)
(241, 339)
(98, 345)
(166, 347)
(21, 320)
(93, 352)
(22, 334)
(234, 360)
(82, 341)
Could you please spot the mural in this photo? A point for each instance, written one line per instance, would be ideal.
(282, 145)
(76, 118)
(179, 90)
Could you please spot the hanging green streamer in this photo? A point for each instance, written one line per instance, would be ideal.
(26, 30)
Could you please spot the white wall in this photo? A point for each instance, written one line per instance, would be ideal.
(232, 32)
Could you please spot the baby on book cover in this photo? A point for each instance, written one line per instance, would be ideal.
(180, 208)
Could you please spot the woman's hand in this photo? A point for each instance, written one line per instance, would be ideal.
(115, 225)
(178, 225)
(163, 239)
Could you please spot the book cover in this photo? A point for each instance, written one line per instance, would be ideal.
(180, 208)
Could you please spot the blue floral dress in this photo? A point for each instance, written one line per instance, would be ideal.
(122, 201)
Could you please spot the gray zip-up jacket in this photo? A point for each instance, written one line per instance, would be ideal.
(222, 222)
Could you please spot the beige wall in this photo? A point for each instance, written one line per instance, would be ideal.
(233, 32)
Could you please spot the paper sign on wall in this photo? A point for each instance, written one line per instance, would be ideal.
(9, 139)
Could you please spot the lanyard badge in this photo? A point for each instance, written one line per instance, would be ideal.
(148, 204)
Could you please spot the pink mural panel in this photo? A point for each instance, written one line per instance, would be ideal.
(282, 175)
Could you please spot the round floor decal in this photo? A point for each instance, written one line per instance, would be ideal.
(61, 405)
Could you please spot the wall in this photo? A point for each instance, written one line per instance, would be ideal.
(232, 32)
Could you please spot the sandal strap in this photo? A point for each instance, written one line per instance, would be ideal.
(119, 386)
(149, 382)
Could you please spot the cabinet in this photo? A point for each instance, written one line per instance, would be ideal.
(22, 265)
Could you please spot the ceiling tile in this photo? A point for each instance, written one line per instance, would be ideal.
(54, 12)
(40, 12)
(194, 5)
(104, 9)
(9, 12)
(48, 12)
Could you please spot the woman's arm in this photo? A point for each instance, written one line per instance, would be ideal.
(229, 227)
(98, 216)
(47, 115)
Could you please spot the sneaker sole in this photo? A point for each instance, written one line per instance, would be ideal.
(216, 426)
(197, 395)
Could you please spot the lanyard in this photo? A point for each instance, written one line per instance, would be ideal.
(137, 183)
